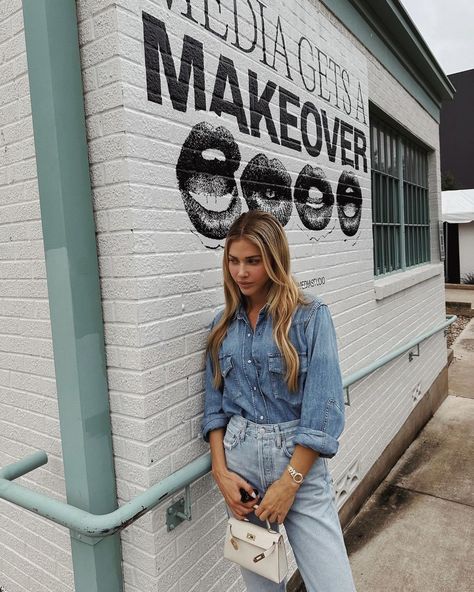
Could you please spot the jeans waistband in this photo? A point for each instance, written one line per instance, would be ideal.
(239, 424)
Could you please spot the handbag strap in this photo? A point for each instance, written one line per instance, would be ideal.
(266, 553)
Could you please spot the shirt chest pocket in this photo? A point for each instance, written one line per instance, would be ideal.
(226, 364)
(277, 371)
(228, 372)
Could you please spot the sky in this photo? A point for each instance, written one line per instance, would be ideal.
(447, 26)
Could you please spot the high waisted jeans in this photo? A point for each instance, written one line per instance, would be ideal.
(260, 454)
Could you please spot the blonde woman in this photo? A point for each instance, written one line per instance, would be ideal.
(274, 404)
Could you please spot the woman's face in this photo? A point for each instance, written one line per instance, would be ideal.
(247, 270)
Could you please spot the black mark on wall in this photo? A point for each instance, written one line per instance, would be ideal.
(265, 183)
(202, 180)
(266, 186)
(314, 213)
(349, 203)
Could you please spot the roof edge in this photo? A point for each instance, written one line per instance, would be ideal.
(393, 20)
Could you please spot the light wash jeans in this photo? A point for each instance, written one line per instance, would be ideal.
(260, 454)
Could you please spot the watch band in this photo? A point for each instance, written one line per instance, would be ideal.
(295, 475)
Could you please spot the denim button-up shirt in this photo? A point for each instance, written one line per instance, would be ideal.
(254, 385)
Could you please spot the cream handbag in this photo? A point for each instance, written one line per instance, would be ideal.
(256, 548)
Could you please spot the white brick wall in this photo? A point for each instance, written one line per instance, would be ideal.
(161, 284)
(34, 553)
(155, 322)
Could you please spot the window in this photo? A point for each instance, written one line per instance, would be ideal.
(400, 208)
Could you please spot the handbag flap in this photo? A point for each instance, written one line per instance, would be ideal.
(253, 534)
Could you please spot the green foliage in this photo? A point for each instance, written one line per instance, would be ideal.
(468, 278)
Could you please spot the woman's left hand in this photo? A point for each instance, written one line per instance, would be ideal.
(277, 501)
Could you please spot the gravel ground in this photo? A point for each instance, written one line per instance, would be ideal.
(455, 328)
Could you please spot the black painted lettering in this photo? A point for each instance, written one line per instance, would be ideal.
(226, 73)
(360, 104)
(323, 75)
(157, 44)
(262, 22)
(260, 107)
(207, 23)
(188, 14)
(288, 119)
(237, 43)
(335, 68)
(282, 52)
(311, 87)
(346, 99)
(345, 143)
(313, 149)
(360, 148)
(331, 144)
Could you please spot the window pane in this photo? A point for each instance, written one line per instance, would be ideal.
(416, 211)
(388, 215)
(385, 198)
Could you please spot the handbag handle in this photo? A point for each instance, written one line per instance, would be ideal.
(269, 528)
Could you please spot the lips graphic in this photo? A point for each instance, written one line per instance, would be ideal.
(314, 213)
(349, 203)
(266, 186)
(210, 181)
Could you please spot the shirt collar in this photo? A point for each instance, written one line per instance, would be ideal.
(241, 313)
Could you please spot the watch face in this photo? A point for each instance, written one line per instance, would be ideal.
(296, 476)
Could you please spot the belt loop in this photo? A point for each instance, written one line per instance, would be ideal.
(243, 429)
(278, 436)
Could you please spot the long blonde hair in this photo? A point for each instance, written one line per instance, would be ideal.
(284, 295)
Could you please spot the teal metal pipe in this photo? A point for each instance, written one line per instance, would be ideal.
(27, 464)
(355, 376)
(91, 525)
(55, 79)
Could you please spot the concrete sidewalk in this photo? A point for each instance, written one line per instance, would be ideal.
(416, 532)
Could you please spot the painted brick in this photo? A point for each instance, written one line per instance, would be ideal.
(161, 284)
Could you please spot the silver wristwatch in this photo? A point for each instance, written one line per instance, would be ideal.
(297, 477)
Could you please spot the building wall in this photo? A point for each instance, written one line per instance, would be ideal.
(466, 248)
(161, 273)
(160, 263)
(34, 552)
(457, 132)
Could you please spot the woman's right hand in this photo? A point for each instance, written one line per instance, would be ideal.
(229, 484)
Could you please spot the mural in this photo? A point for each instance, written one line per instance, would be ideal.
(273, 120)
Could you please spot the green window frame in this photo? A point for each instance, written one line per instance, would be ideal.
(400, 202)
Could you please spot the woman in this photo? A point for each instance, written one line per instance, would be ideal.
(274, 404)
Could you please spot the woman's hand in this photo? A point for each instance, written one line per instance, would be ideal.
(229, 484)
(277, 501)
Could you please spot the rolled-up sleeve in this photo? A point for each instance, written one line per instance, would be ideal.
(214, 416)
(322, 410)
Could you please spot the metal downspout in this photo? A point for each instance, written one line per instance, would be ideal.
(73, 281)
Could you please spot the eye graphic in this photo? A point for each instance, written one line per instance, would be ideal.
(314, 207)
(349, 203)
(266, 185)
(205, 172)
